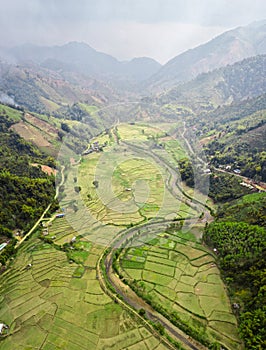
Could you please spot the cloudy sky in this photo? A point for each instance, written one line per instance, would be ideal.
(124, 28)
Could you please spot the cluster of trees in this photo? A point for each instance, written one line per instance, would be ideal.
(221, 187)
(250, 208)
(239, 245)
(78, 113)
(225, 187)
(8, 251)
(23, 199)
(241, 249)
(74, 112)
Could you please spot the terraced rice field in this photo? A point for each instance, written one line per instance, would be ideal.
(122, 185)
(179, 275)
(50, 306)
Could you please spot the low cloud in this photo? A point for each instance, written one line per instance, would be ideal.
(157, 28)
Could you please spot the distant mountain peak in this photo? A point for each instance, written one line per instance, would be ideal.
(227, 48)
(81, 58)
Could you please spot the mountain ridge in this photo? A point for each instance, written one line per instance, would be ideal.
(227, 48)
(82, 58)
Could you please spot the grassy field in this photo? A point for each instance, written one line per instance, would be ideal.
(180, 275)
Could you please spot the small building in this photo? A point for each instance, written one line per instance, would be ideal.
(88, 151)
(2, 246)
(61, 215)
(3, 327)
(29, 266)
(246, 185)
(45, 232)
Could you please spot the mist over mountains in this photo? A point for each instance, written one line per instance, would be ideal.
(47, 78)
(143, 72)
(82, 58)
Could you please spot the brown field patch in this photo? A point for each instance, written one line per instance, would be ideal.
(41, 124)
(46, 169)
(29, 133)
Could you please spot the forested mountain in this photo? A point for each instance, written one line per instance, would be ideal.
(222, 86)
(227, 48)
(235, 137)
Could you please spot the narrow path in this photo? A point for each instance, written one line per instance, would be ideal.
(45, 211)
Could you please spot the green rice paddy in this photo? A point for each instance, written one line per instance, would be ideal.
(57, 304)
(181, 275)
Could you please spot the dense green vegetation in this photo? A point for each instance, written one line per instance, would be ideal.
(241, 144)
(250, 208)
(241, 249)
(222, 187)
(25, 189)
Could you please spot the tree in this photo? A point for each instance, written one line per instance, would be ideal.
(95, 183)
(77, 189)
(60, 134)
(65, 127)
(142, 312)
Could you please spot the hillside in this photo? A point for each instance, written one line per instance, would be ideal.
(25, 189)
(234, 136)
(227, 48)
(43, 90)
(222, 86)
(29, 145)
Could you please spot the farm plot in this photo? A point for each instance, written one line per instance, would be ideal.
(123, 187)
(125, 191)
(60, 231)
(48, 307)
(139, 132)
(179, 275)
